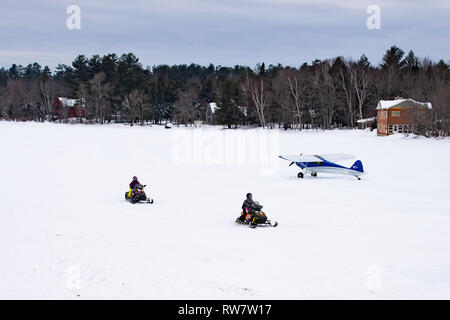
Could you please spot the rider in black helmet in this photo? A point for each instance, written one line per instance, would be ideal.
(249, 206)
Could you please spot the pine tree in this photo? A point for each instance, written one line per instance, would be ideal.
(228, 112)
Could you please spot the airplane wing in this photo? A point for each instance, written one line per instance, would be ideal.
(331, 157)
(301, 158)
(334, 157)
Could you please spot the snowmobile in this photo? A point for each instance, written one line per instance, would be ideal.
(138, 194)
(255, 218)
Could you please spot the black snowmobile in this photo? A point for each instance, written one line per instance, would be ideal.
(256, 218)
(138, 194)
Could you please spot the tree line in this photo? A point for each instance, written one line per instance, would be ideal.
(323, 94)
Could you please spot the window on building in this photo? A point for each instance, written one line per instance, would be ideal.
(390, 128)
(398, 114)
(393, 113)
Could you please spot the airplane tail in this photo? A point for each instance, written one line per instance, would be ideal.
(357, 166)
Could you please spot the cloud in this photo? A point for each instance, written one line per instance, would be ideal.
(223, 32)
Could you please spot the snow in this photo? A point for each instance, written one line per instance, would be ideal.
(213, 107)
(68, 102)
(67, 233)
(387, 104)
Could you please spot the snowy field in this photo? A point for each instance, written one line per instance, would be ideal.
(66, 231)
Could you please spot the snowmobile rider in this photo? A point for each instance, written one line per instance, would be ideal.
(135, 183)
(248, 207)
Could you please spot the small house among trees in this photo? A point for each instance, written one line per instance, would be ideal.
(366, 123)
(66, 108)
(400, 115)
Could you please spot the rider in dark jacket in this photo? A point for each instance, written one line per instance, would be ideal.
(135, 183)
(248, 207)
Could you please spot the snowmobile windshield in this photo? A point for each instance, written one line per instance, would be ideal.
(257, 205)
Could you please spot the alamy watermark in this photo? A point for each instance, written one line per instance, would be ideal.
(257, 147)
(374, 20)
(73, 22)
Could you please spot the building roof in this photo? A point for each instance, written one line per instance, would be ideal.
(367, 120)
(402, 103)
(67, 101)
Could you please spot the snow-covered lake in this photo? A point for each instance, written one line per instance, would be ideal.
(67, 232)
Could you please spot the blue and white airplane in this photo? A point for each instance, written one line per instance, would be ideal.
(325, 163)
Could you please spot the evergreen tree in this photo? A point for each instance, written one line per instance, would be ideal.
(412, 62)
(393, 58)
(228, 112)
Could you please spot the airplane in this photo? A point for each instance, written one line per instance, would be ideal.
(313, 164)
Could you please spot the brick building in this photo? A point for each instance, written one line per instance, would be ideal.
(397, 116)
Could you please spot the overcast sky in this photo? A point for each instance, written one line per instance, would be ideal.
(222, 32)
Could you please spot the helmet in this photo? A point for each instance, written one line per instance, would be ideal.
(249, 196)
(134, 178)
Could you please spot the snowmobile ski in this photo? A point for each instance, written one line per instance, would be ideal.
(254, 225)
(268, 223)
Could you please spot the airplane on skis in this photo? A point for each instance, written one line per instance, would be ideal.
(326, 163)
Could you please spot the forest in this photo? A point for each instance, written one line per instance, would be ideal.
(323, 94)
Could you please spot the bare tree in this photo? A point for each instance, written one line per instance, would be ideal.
(360, 75)
(326, 88)
(347, 80)
(283, 98)
(140, 101)
(136, 103)
(99, 92)
(439, 121)
(256, 89)
(296, 89)
(128, 108)
(187, 107)
(84, 99)
(47, 87)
